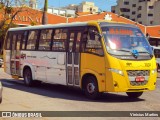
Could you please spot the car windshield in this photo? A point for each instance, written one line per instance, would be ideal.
(124, 40)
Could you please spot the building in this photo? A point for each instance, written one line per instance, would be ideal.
(83, 7)
(33, 4)
(156, 10)
(145, 12)
(61, 11)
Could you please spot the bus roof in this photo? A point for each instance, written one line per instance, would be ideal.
(102, 23)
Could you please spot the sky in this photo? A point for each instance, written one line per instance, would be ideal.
(104, 5)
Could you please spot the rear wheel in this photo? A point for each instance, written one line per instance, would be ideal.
(91, 87)
(28, 77)
(134, 94)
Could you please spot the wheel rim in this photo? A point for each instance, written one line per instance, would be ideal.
(91, 88)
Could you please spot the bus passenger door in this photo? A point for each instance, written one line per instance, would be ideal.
(15, 54)
(73, 58)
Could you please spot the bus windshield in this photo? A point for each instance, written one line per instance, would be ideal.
(124, 40)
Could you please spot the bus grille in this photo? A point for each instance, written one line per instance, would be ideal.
(138, 72)
(134, 83)
(133, 73)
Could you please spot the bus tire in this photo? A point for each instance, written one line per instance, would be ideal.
(91, 87)
(28, 77)
(134, 94)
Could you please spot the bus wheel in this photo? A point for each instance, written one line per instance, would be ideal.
(28, 77)
(91, 88)
(134, 94)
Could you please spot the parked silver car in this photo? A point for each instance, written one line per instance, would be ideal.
(0, 92)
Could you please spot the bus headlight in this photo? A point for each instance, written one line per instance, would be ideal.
(153, 71)
(116, 71)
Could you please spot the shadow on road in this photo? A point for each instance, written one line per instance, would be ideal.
(64, 92)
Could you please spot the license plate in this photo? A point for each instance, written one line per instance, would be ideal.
(139, 79)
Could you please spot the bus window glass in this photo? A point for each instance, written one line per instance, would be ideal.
(78, 41)
(59, 40)
(24, 40)
(19, 37)
(31, 43)
(93, 43)
(45, 40)
(71, 41)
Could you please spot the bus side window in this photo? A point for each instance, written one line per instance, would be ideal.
(45, 39)
(59, 40)
(93, 43)
(31, 43)
(24, 39)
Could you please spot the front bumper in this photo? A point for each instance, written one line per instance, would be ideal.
(123, 83)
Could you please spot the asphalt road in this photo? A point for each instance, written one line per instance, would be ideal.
(47, 97)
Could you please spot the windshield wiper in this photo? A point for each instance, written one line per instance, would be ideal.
(123, 50)
(146, 52)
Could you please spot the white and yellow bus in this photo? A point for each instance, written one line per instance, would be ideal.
(96, 56)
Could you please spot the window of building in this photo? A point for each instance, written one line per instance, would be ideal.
(133, 13)
(124, 10)
(141, 0)
(127, 16)
(134, 5)
(139, 16)
(140, 22)
(45, 39)
(133, 19)
(140, 8)
(151, 22)
(150, 15)
(32, 38)
(59, 40)
(126, 3)
(113, 11)
(150, 7)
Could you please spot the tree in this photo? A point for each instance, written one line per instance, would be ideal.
(7, 14)
(44, 17)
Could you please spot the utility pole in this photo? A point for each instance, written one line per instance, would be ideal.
(45, 17)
